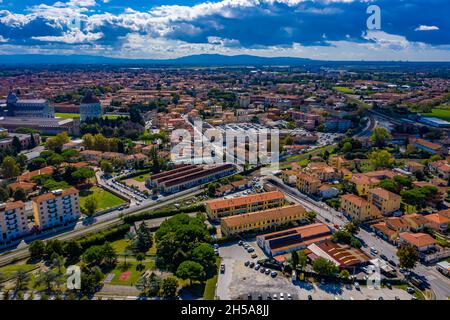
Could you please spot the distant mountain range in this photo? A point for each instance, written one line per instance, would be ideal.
(193, 60)
(202, 59)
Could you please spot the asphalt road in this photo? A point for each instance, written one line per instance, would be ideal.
(101, 222)
(439, 284)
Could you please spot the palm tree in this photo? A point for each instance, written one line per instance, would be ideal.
(22, 279)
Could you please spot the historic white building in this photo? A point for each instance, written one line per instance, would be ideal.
(39, 108)
(90, 107)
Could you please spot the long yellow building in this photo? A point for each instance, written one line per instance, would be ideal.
(261, 220)
(385, 200)
(358, 208)
(256, 202)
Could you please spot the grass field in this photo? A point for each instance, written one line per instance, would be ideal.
(344, 90)
(142, 177)
(77, 115)
(134, 272)
(443, 114)
(10, 270)
(105, 199)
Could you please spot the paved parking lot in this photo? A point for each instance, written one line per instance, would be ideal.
(238, 281)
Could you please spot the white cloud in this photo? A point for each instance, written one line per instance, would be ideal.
(426, 28)
(3, 39)
(72, 37)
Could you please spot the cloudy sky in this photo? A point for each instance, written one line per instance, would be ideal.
(320, 29)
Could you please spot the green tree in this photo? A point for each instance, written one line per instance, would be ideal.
(169, 287)
(380, 136)
(91, 279)
(10, 168)
(36, 249)
(190, 270)
(325, 267)
(56, 143)
(72, 249)
(19, 194)
(408, 256)
(302, 260)
(106, 167)
(48, 279)
(143, 240)
(381, 159)
(21, 279)
(344, 274)
(310, 216)
(91, 205)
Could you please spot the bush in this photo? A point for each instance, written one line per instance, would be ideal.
(162, 213)
(104, 236)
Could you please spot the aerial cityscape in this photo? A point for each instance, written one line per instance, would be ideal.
(153, 151)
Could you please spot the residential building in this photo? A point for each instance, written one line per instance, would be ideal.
(321, 171)
(56, 208)
(363, 183)
(13, 221)
(281, 242)
(388, 202)
(358, 208)
(438, 221)
(261, 220)
(421, 241)
(441, 168)
(326, 191)
(256, 202)
(307, 183)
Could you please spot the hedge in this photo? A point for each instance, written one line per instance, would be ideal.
(103, 236)
(162, 213)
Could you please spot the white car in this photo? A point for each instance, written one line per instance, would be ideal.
(281, 296)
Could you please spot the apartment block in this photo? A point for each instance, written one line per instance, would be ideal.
(13, 221)
(261, 220)
(307, 184)
(358, 208)
(56, 208)
(385, 200)
(257, 202)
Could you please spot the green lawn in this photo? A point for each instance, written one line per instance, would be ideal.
(67, 115)
(77, 115)
(134, 273)
(9, 271)
(443, 114)
(344, 90)
(120, 245)
(105, 199)
(142, 177)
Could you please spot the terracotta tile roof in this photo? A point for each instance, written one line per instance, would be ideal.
(51, 195)
(358, 201)
(245, 200)
(344, 255)
(14, 205)
(437, 218)
(428, 144)
(384, 229)
(418, 239)
(306, 177)
(26, 186)
(258, 216)
(360, 178)
(416, 219)
(385, 194)
(31, 174)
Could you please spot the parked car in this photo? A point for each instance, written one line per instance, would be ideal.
(357, 286)
(281, 296)
(240, 242)
(410, 290)
(389, 285)
(260, 296)
(249, 296)
(384, 257)
(257, 267)
(273, 274)
(267, 271)
(222, 268)
(250, 250)
(262, 270)
(310, 297)
(251, 265)
(254, 256)
(289, 297)
(275, 296)
(246, 263)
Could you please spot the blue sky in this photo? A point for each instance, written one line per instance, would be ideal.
(414, 30)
